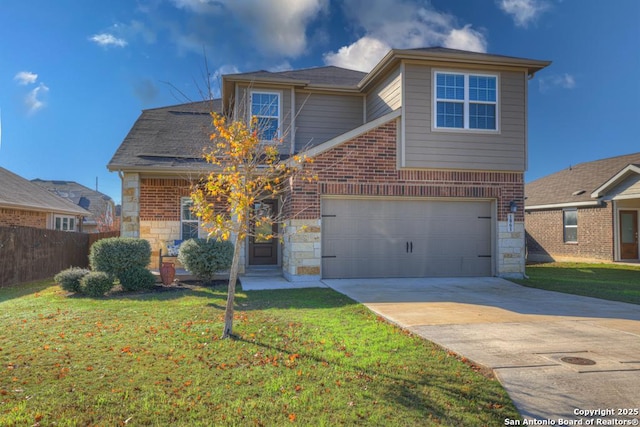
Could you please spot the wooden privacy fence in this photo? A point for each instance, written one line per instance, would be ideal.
(28, 254)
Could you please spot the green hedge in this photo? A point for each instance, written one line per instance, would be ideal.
(96, 283)
(117, 255)
(69, 279)
(204, 258)
(137, 279)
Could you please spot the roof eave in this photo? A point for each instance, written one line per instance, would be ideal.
(33, 208)
(564, 205)
(531, 65)
(615, 180)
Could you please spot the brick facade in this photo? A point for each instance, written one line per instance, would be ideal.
(545, 235)
(15, 217)
(366, 166)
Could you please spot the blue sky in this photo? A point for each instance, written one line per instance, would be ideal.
(74, 74)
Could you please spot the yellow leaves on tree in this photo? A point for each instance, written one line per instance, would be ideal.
(247, 170)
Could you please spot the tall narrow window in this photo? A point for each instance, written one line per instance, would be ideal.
(266, 107)
(188, 220)
(570, 222)
(465, 101)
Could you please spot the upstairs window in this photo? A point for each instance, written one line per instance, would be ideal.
(266, 107)
(465, 101)
(188, 220)
(570, 223)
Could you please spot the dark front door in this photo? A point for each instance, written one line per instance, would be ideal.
(263, 242)
(628, 234)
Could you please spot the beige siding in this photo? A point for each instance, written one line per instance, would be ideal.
(386, 96)
(321, 117)
(242, 109)
(427, 148)
(629, 188)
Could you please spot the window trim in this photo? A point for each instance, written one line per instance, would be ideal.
(565, 226)
(72, 222)
(279, 117)
(183, 221)
(466, 102)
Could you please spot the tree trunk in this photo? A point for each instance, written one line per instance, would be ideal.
(231, 294)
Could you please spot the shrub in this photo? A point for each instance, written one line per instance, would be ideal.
(204, 258)
(69, 279)
(137, 279)
(116, 255)
(96, 283)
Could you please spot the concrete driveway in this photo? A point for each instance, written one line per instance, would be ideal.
(527, 336)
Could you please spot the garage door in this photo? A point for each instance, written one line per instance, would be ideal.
(405, 238)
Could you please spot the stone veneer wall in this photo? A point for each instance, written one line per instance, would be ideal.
(367, 166)
(301, 255)
(130, 212)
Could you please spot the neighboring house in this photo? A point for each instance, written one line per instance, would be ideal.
(23, 203)
(101, 206)
(585, 212)
(420, 165)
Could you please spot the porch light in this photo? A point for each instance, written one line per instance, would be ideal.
(513, 206)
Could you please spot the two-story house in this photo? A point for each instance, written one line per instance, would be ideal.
(420, 165)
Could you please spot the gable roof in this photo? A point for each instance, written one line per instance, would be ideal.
(575, 185)
(91, 200)
(335, 77)
(19, 193)
(170, 138)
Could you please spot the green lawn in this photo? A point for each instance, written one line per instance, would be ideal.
(305, 357)
(615, 282)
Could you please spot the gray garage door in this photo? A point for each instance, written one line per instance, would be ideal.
(405, 238)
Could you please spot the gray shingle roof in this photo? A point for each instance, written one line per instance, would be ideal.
(576, 183)
(317, 76)
(94, 201)
(168, 137)
(19, 193)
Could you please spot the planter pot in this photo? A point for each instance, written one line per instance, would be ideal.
(167, 273)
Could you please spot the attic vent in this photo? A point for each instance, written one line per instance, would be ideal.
(577, 193)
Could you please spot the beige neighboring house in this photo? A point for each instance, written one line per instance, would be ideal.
(102, 208)
(23, 203)
(420, 166)
(588, 212)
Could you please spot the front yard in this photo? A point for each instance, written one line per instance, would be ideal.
(615, 282)
(306, 357)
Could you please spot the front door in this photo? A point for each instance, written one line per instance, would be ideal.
(263, 241)
(628, 234)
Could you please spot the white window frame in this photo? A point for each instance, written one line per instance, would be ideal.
(565, 226)
(466, 102)
(71, 222)
(278, 94)
(184, 200)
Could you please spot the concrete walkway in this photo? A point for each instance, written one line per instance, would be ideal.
(527, 336)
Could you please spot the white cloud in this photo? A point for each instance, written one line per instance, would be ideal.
(278, 27)
(563, 81)
(523, 12)
(34, 101)
(106, 39)
(466, 38)
(407, 27)
(26, 77)
(362, 55)
(215, 81)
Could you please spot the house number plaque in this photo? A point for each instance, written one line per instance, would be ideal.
(510, 221)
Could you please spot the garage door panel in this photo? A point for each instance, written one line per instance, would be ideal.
(405, 238)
